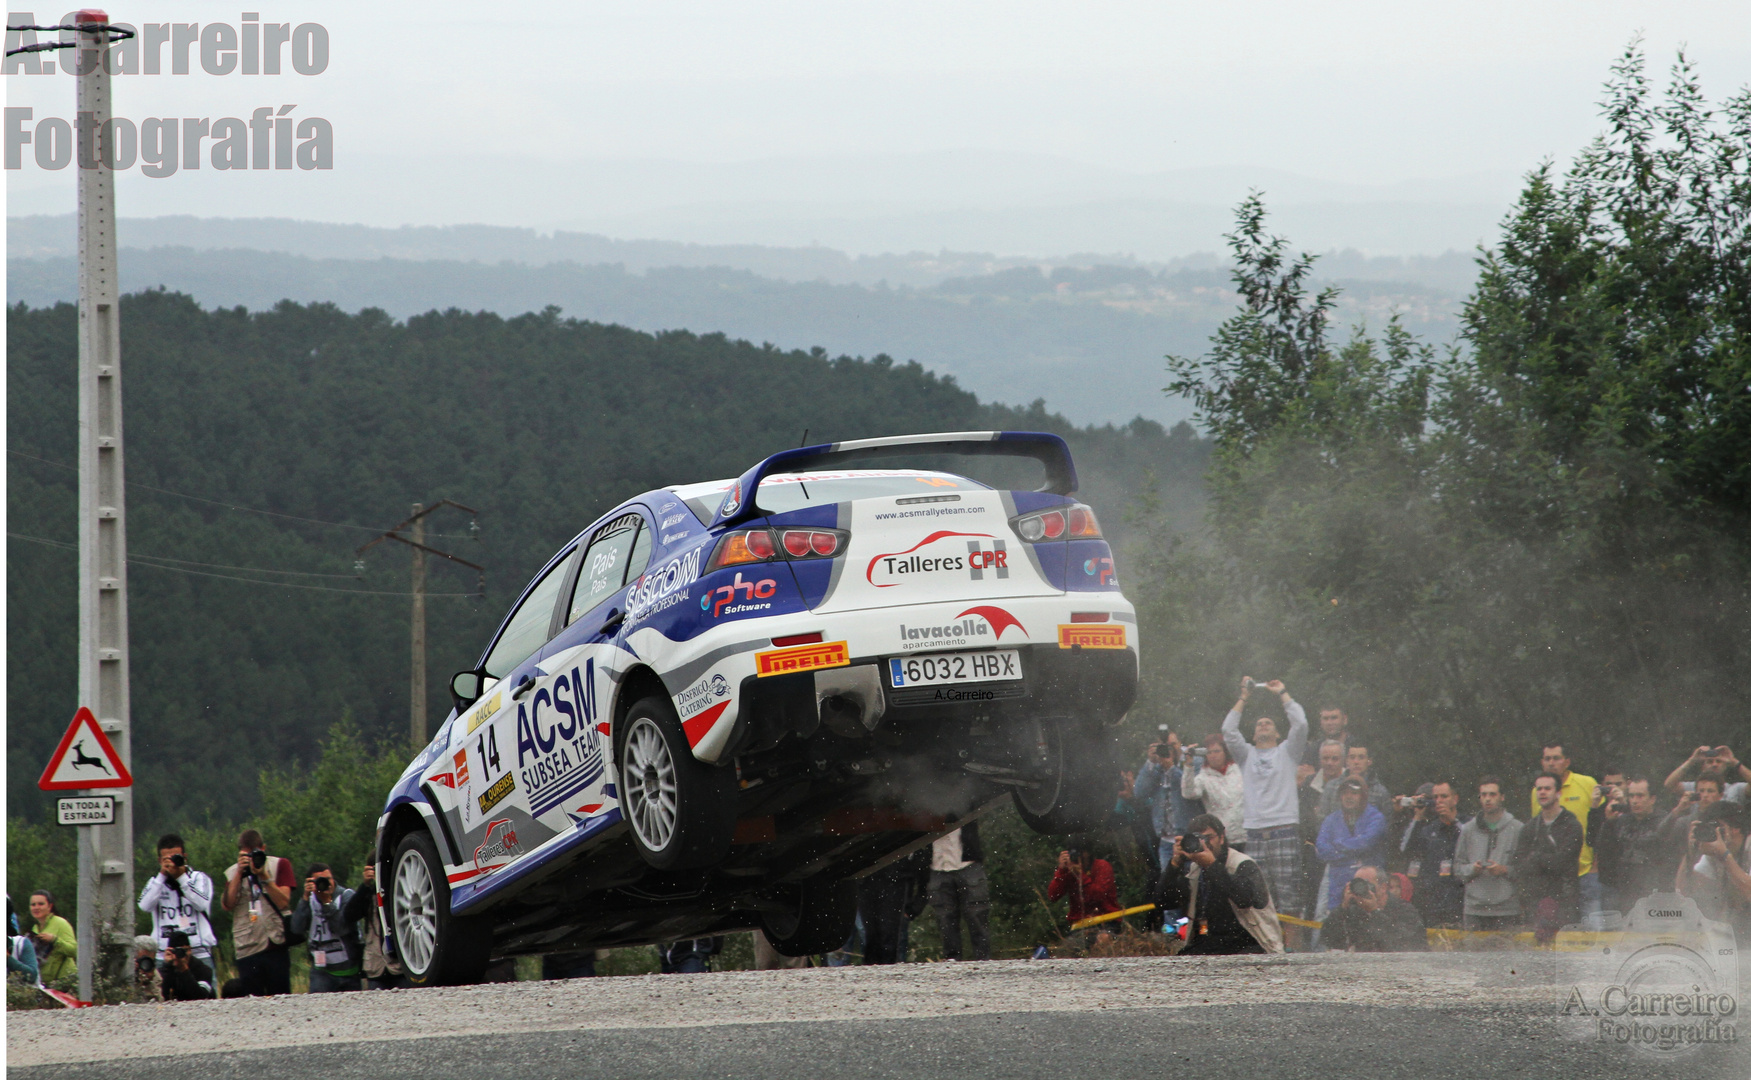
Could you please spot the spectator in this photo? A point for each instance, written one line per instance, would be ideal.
(263, 884)
(1371, 918)
(1713, 870)
(364, 911)
(1631, 857)
(1354, 836)
(959, 888)
(1334, 726)
(1575, 794)
(690, 956)
(184, 976)
(20, 953)
(1313, 784)
(1705, 791)
(1544, 863)
(179, 898)
(1358, 763)
(1440, 894)
(1273, 813)
(889, 900)
(334, 941)
(1223, 892)
(1087, 882)
(582, 965)
(55, 943)
(147, 981)
(1161, 785)
(1721, 760)
(1217, 785)
(1484, 861)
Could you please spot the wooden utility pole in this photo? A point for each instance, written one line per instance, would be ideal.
(415, 526)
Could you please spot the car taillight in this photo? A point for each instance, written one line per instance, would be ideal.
(1077, 522)
(761, 545)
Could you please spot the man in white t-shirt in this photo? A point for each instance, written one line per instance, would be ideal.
(959, 889)
(1273, 809)
(179, 898)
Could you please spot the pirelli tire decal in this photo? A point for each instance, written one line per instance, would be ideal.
(1091, 636)
(825, 654)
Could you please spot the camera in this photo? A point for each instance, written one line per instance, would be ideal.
(323, 884)
(1707, 832)
(258, 858)
(178, 860)
(1361, 888)
(1191, 843)
(1413, 802)
(144, 965)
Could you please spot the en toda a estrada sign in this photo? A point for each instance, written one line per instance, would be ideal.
(85, 759)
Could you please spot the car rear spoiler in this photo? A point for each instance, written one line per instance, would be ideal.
(1044, 447)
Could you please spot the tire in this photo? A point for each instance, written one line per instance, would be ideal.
(435, 947)
(681, 811)
(1073, 785)
(820, 921)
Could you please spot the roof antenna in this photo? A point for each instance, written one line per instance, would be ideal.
(802, 443)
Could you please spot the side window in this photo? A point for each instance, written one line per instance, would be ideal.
(526, 630)
(603, 571)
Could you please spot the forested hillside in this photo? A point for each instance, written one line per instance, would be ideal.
(264, 447)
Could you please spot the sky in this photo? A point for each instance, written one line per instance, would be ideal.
(866, 125)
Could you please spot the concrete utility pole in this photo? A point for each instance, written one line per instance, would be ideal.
(416, 526)
(106, 852)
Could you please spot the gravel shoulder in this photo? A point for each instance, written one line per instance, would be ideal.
(1528, 984)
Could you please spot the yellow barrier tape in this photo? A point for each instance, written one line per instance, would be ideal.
(1566, 940)
(1110, 916)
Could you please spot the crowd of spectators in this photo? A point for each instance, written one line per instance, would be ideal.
(1234, 833)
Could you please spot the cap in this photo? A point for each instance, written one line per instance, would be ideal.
(178, 939)
(147, 942)
(1352, 783)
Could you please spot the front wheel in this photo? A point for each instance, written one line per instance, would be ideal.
(1071, 770)
(436, 947)
(682, 812)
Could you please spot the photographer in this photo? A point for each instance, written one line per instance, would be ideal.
(382, 973)
(1223, 893)
(1719, 761)
(263, 884)
(1273, 812)
(1713, 871)
(56, 945)
(334, 941)
(1160, 785)
(1431, 847)
(1088, 882)
(185, 977)
(179, 898)
(1209, 778)
(147, 981)
(1371, 918)
(1633, 862)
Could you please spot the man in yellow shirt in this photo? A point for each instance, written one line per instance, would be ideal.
(1575, 794)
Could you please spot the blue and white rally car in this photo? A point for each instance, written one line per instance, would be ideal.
(722, 702)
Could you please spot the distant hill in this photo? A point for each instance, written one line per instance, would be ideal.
(266, 446)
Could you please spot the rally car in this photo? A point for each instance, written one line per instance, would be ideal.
(721, 703)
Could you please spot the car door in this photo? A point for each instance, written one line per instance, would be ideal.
(570, 777)
(492, 809)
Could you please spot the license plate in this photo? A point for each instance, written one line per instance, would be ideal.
(996, 665)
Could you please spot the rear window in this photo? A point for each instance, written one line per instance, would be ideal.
(793, 491)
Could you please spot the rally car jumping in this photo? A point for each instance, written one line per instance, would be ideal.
(722, 702)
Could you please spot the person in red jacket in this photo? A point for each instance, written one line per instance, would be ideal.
(1088, 883)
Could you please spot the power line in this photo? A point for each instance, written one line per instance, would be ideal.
(134, 560)
(229, 505)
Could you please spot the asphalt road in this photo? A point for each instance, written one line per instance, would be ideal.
(1388, 1018)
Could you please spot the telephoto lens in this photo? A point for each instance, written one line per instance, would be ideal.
(258, 858)
(1191, 843)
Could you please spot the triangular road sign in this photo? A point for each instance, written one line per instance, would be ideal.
(85, 759)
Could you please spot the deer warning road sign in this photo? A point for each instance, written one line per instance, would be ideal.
(85, 759)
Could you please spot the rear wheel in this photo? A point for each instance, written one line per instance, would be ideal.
(819, 922)
(1071, 769)
(436, 948)
(682, 812)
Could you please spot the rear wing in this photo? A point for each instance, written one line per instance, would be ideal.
(1044, 447)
